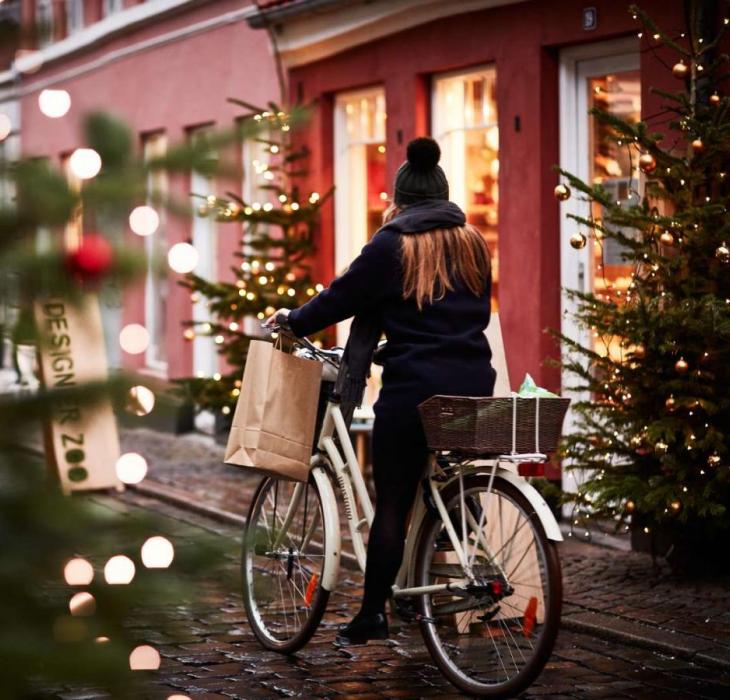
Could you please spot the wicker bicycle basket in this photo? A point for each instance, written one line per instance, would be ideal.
(493, 425)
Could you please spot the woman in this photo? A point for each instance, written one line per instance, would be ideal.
(427, 272)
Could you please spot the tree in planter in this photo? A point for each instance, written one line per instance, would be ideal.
(652, 437)
(276, 246)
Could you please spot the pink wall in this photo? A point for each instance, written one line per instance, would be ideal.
(523, 40)
(172, 87)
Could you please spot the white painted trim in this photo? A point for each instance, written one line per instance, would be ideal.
(105, 28)
(308, 38)
(576, 64)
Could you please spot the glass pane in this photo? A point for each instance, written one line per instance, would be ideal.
(610, 165)
(465, 125)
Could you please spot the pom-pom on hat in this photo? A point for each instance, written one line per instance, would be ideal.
(420, 177)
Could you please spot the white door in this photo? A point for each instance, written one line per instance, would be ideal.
(598, 75)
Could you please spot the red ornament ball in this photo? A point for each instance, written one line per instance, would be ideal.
(92, 259)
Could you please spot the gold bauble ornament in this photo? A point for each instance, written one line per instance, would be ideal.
(661, 447)
(713, 460)
(671, 403)
(667, 238)
(630, 506)
(675, 506)
(578, 241)
(722, 253)
(714, 99)
(679, 70)
(562, 192)
(698, 146)
(189, 334)
(639, 352)
(647, 163)
(681, 365)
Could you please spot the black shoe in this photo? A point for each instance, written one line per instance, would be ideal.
(362, 628)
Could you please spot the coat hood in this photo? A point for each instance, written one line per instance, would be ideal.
(427, 215)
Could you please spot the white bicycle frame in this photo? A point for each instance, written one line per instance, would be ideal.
(344, 466)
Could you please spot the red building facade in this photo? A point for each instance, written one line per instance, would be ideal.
(505, 88)
(166, 68)
(504, 85)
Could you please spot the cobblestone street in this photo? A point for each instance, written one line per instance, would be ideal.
(629, 630)
(213, 653)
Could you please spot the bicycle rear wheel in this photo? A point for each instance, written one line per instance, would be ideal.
(490, 636)
(284, 556)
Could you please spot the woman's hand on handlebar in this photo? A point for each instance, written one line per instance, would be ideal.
(278, 318)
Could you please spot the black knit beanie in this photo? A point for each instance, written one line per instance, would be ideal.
(420, 177)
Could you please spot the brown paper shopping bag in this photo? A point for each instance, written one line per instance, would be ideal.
(273, 425)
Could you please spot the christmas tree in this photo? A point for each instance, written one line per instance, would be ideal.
(71, 596)
(277, 229)
(652, 434)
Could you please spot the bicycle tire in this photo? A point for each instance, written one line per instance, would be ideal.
(552, 601)
(268, 637)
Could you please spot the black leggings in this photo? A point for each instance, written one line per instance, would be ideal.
(399, 461)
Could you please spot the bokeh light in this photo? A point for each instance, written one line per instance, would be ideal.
(6, 126)
(54, 103)
(157, 553)
(144, 220)
(144, 658)
(78, 572)
(85, 163)
(82, 603)
(131, 468)
(28, 60)
(177, 696)
(134, 338)
(140, 400)
(119, 570)
(182, 258)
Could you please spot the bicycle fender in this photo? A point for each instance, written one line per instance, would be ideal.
(331, 528)
(542, 509)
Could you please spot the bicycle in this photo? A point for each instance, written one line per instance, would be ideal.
(480, 571)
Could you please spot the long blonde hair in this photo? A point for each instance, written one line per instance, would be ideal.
(424, 257)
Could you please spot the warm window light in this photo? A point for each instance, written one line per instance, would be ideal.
(119, 570)
(183, 258)
(144, 220)
(85, 163)
(134, 338)
(54, 103)
(157, 553)
(131, 468)
(140, 400)
(144, 658)
(78, 572)
(82, 604)
(5, 126)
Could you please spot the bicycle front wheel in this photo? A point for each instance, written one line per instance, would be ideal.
(492, 633)
(285, 552)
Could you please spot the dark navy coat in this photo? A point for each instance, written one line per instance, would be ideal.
(440, 349)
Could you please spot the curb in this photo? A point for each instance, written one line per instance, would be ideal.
(637, 634)
(182, 500)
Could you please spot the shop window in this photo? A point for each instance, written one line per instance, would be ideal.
(361, 194)
(154, 145)
(74, 16)
(465, 125)
(112, 6)
(610, 166)
(44, 22)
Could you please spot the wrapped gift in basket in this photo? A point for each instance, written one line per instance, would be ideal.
(528, 422)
